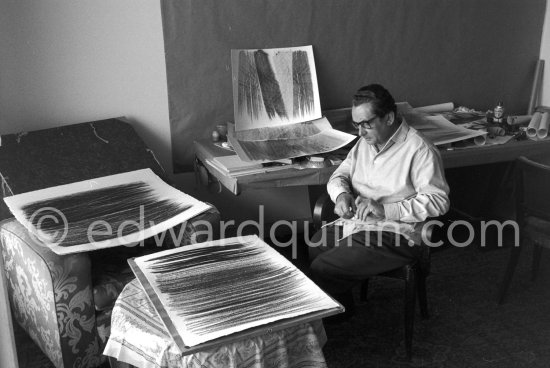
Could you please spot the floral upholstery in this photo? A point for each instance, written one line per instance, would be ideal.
(107, 288)
(103, 321)
(52, 296)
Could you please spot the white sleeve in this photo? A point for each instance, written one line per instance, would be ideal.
(432, 198)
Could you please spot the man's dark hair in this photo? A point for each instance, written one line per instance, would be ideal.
(380, 99)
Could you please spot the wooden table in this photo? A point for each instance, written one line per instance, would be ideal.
(463, 157)
(494, 154)
(205, 150)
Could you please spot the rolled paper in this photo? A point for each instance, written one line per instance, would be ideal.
(534, 125)
(535, 89)
(518, 119)
(480, 140)
(542, 132)
(434, 109)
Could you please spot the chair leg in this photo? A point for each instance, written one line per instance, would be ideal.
(512, 263)
(537, 252)
(364, 290)
(422, 295)
(410, 302)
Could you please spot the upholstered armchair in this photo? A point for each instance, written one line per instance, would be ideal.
(64, 302)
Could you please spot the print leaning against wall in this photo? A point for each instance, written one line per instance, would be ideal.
(274, 87)
(277, 107)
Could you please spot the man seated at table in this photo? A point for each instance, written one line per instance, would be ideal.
(393, 176)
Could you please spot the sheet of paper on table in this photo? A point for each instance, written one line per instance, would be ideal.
(233, 166)
(437, 129)
(219, 291)
(104, 212)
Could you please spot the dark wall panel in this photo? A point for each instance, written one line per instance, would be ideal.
(472, 52)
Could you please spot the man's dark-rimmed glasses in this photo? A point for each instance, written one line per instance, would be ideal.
(365, 124)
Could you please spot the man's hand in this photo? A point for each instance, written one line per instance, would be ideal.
(367, 206)
(344, 206)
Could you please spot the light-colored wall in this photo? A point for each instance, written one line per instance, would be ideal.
(545, 55)
(65, 61)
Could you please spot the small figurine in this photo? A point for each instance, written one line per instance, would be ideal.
(498, 114)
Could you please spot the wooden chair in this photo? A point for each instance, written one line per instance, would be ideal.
(413, 274)
(532, 181)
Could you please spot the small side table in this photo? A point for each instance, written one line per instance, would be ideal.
(139, 338)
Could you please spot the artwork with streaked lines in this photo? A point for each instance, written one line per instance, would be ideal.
(211, 293)
(104, 212)
(274, 87)
(276, 106)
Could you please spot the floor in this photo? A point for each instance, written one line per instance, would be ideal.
(466, 329)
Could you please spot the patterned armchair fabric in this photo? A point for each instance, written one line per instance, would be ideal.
(57, 299)
(52, 296)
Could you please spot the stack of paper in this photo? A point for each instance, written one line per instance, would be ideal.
(436, 128)
(233, 165)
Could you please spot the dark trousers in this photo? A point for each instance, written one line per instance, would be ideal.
(337, 265)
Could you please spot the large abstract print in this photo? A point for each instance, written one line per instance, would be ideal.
(274, 87)
(276, 106)
(104, 212)
(208, 291)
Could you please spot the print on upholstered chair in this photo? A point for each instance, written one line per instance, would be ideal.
(52, 296)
